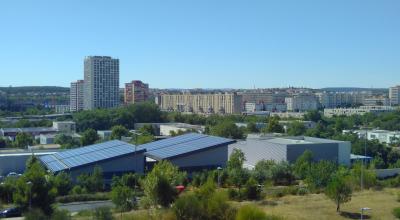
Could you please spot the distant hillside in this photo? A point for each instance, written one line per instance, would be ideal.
(354, 89)
(35, 89)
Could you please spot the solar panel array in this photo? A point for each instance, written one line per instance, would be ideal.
(86, 155)
(182, 144)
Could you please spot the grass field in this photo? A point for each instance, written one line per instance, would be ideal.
(318, 206)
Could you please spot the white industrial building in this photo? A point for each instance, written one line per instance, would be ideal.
(290, 148)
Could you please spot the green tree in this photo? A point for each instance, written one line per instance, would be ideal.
(282, 173)
(319, 174)
(296, 128)
(122, 197)
(159, 184)
(273, 126)
(22, 140)
(66, 141)
(33, 189)
(262, 170)
(91, 182)
(119, 131)
(313, 115)
(237, 174)
(62, 182)
(227, 129)
(339, 189)
(252, 127)
(142, 139)
(303, 164)
(89, 137)
(3, 142)
(252, 189)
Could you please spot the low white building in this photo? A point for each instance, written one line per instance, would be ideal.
(383, 136)
(104, 135)
(330, 112)
(47, 139)
(168, 128)
(66, 127)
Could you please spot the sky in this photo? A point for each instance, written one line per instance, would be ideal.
(204, 43)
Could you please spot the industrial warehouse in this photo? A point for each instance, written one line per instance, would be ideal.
(189, 152)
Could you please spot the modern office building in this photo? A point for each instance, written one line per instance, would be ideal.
(76, 96)
(394, 95)
(301, 102)
(290, 148)
(210, 103)
(101, 82)
(136, 91)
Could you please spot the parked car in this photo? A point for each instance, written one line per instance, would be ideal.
(11, 212)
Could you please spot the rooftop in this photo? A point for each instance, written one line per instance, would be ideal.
(183, 144)
(86, 155)
(300, 140)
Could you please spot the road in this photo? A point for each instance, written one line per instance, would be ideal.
(80, 206)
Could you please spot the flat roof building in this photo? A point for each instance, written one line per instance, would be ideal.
(290, 148)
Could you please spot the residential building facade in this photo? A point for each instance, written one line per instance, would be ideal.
(301, 102)
(394, 95)
(135, 92)
(218, 103)
(76, 96)
(101, 82)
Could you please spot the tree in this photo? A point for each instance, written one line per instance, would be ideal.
(303, 163)
(33, 189)
(273, 126)
(227, 129)
(262, 170)
(252, 189)
(339, 189)
(3, 142)
(313, 115)
(142, 139)
(252, 127)
(296, 128)
(319, 174)
(23, 139)
(237, 174)
(159, 184)
(118, 131)
(93, 182)
(62, 182)
(282, 173)
(89, 137)
(122, 196)
(66, 141)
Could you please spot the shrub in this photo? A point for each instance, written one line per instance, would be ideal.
(83, 198)
(250, 212)
(60, 215)
(103, 213)
(188, 206)
(252, 190)
(35, 214)
(396, 212)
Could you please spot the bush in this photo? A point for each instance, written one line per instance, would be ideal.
(35, 214)
(396, 212)
(252, 190)
(103, 213)
(250, 212)
(60, 215)
(83, 198)
(188, 206)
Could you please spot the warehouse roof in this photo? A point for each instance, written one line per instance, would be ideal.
(86, 155)
(183, 144)
(300, 140)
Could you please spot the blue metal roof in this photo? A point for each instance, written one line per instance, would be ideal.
(86, 155)
(183, 144)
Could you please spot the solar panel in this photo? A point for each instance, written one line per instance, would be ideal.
(86, 155)
(189, 145)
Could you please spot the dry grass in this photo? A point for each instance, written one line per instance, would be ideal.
(318, 206)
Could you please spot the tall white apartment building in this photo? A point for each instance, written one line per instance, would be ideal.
(101, 82)
(76, 96)
(301, 102)
(394, 95)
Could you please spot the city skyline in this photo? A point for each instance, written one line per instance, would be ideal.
(206, 44)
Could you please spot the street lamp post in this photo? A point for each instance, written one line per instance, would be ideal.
(29, 183)
(219, 176)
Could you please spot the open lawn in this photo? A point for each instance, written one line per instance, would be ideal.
(318, 206)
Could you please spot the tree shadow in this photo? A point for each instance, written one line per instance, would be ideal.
(352, 215)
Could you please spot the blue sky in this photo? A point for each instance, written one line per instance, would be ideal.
(204, 43)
